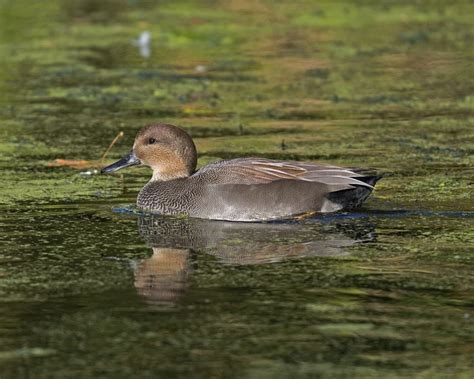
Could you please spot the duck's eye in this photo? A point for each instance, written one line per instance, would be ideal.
(151, 141)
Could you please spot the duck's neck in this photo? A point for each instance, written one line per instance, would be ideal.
(164, 176)
(171, 167)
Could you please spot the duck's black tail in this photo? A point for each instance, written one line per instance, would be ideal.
(352, 198)
(371, 180)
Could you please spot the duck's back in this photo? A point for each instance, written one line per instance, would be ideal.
(251, 189)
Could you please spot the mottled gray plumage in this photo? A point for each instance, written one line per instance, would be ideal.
(249, 189)
(243, 189)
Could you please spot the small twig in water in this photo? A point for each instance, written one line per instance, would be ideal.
(120, 135)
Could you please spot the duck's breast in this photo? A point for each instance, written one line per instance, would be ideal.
(170, 197)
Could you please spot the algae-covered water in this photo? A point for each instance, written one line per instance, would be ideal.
(90, 288)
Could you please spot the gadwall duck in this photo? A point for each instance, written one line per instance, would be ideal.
(242, 189)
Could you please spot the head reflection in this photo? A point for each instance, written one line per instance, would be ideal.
(163, 278)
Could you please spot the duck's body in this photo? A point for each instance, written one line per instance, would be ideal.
(250, 189)
(243, 189)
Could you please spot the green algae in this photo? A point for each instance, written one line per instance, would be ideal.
(380, 84)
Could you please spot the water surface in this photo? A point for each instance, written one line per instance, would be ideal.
(89, 288)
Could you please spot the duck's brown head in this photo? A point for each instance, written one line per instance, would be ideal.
(167, 149)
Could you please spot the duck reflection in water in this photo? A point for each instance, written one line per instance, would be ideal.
(164, 277)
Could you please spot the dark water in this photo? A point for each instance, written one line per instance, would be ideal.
(91, 288)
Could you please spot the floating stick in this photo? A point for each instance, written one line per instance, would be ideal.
(120, 135)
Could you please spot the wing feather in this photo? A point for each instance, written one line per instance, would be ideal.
(261, 170)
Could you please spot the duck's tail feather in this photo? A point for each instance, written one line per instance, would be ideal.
(352, 198)
(371, 179)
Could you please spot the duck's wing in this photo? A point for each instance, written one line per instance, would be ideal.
(260, 171)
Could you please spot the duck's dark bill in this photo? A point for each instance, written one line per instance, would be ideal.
(127, 161)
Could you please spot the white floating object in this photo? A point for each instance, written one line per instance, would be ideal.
(143, 43)
(200, 68)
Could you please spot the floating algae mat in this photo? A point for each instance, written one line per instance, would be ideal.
(90, 287)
